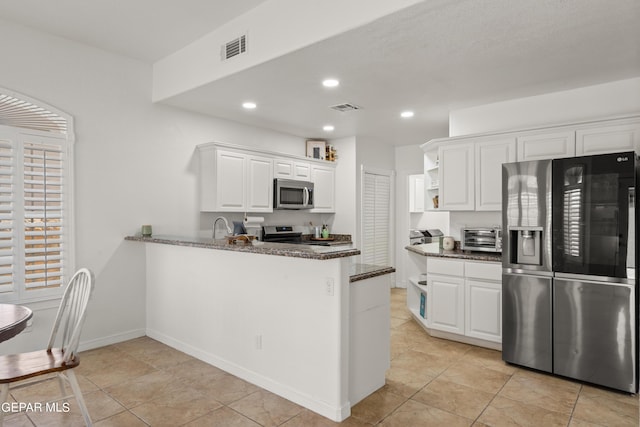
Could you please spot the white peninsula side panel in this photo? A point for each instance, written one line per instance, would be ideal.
(279, 322)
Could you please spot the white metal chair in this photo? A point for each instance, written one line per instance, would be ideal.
(54, 360)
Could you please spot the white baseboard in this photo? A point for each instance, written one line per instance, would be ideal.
(326, 410)
(111, 339)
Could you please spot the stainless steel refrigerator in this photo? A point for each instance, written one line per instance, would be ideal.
(569, 280)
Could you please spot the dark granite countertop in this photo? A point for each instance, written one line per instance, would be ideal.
(366, 271)
(279, 249)
(434, 250)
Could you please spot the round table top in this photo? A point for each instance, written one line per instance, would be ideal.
(13, 320)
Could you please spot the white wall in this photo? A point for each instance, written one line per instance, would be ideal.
(587, 103)
(409, 160)
(134, 165)
(270, 34)
(345, 220)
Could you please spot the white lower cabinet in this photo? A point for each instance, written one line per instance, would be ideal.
(463, 300)
(483, 301)
(370, 350)
(446, 303)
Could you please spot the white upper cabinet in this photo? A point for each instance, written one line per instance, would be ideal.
(291, 169)
(465, 172)
(416, 193)
(552, 145)
(240, 179)
(259, 196)
(283, 168)
(324, 184)
(242, 182)
(490, 156)
(231, 182)
(456, 174)
(608, 139)
(302, 171)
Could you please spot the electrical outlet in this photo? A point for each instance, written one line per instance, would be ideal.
(329, 285)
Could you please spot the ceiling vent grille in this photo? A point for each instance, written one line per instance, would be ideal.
(234, 48)
(345, 107)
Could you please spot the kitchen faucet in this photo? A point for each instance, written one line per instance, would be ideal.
(226, 224)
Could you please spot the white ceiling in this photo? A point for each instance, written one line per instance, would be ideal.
(434, 57)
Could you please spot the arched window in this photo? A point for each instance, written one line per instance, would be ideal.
(36, 229)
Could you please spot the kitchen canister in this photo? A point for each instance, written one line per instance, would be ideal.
(146, 230)
(448, 243)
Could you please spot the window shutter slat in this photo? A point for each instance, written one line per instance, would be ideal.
(7, 215)
(43, 215)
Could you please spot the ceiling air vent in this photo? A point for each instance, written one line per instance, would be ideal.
(234, 47)
(345, 107)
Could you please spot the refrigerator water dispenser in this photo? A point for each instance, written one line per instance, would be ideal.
(528, 247)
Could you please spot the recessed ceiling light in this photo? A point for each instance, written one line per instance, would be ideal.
(330, 83)
(406, 114)
(249, 105)
(328, 128)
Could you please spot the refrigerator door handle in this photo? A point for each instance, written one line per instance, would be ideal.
(631, 233)
(604, 280)
(522, 272)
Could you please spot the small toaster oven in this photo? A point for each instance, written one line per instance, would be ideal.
(485, 239)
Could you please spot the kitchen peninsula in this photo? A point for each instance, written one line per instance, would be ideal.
(301, 321)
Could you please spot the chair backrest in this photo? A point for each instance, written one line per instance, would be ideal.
(71, 313)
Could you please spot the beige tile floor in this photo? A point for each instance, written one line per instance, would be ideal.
(432, 382)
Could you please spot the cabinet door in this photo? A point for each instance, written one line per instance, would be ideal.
(302, 171)
(490, 155)
(447, 303)
(456, 177)
(416, 193)
(259, 184)
(608, 139)
(546, 146)
(483, 310)
(323, 188)
(283, 169)
(230, 181)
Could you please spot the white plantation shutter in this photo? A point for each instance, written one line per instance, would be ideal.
(7, 216)
(36, 250)
(43, 187)
(376, 219)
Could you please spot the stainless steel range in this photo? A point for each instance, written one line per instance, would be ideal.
(280, 234)
(286, 234)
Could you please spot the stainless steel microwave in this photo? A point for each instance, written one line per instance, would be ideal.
(292, 194)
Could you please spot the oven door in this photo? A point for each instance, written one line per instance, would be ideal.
(594, 215)
(291, 194)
